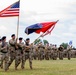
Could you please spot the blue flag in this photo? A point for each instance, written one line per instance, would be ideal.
(70, 42)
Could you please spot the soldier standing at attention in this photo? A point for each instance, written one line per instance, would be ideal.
(4, 53)
(69, 48)
(47, 52)
(55, 52)
(12, 50)
(41, 50)
(28, 53)
(60, 49)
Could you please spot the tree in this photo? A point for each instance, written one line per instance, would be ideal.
(64, 45)
(45, 42)
(37, 41)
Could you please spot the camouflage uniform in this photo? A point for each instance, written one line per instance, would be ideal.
(12, 51)
(20, 55)
(47, 52)
(69, 48)
(4, 55)
(41, 49)
(55, 53)
(51, 51)
(35, 52)
(28, 54)
(60, 50)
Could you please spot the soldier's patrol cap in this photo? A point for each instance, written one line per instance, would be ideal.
(12, 35)
(27, 39)
(20, 38)
(4, 37)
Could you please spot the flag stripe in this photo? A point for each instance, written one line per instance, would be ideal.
(12, 10)
(9, 15)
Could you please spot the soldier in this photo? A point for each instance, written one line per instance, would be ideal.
(51, 51)
(21, 47)
(60, 49)
(12, 50)
(55, 52)
(28, 53)
(69, 48)
(41, 51)
(19, 54)
(35, 52)
(4, 53)
(47, 52)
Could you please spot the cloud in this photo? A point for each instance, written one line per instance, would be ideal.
(72, 28)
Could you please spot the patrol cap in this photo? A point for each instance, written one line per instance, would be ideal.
(12, 35)
(27, 39)
(20, 38)
(4, 37)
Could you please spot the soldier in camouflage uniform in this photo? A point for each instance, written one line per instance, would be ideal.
(4, 53)
(19, 53)
(28, 53)
(12, 49)
(47, 52)
(60, 50)
(35, 52)
(51, 51)
(55, 52)
(41, 49)
(69, 48)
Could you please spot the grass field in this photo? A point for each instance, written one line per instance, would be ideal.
(45, 67)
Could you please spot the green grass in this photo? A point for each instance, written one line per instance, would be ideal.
(45, 67)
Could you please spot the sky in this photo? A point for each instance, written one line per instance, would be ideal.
(37, 11)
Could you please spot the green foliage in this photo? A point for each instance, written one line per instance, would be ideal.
(37, 41)
(45, 42)
(64, 45)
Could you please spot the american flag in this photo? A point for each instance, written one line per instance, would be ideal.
(12, 10)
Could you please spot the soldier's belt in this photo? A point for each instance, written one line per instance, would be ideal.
(27, 51)
(3, 52)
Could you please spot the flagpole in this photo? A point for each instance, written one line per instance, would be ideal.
(37, 38)
(18, 22)
(17, 27)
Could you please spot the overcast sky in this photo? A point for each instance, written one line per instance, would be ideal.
(36, 11)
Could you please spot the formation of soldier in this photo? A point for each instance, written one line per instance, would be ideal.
(18, 51)
(13, 51)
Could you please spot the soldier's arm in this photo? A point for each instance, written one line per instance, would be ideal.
(12, 42)
(27, 46)
(2, 48)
